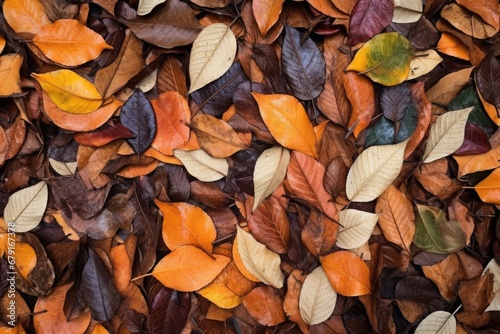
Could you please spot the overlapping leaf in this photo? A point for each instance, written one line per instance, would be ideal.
(25, 16)
(317, 297)
(441, 322)
(348, 274)
(146, 6)
(10, 79)
(488, 188)
(494, 268)
(26, 207)
(424, 62)
(373, 171)
(266, 13)
(368, 18)
(355, 228)
(202, 166)
(407, 11)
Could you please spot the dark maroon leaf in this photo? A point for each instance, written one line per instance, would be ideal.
(244, 164)
(216, 97)
(63, 147)
(488, 80)
(265, 57)
(100, 294)
(417, 288)
(327, 27)
(178, 183)
(171, 24)
(303, 65)
(475, 141)
(368, 18)
(168, 310)
(422, 34)
(394, 101)
(4, 270)
(138, 116)
(104, 135)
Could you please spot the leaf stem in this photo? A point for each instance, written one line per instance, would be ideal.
(139, 277)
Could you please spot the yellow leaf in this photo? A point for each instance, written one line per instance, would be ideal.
(188, 268)
(25, 16)
(10, 79)
(99, 329)
(69, 91)
(288, 122)
(219, 294)
(70, 43)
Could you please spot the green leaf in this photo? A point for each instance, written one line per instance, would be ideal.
(468, 98)
(435, 234)
(408, 124)
(385, 59)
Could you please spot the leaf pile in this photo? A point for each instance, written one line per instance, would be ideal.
(260, 166)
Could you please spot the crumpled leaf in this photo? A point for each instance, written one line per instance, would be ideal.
(70, 43)
(202, 166)
(26, 207)
(287, 121)
(373, 171)
(259, 260)
(438, 322)
(446, 135)
(385, 59)
(146, 6)
(434, 233)
(25, 16)
(407, 11)
(494, 268)
(70, 91)
(348, 273)
(212, 54)
(186, 224)
(269, 172)
(187, 268)
(303, 65)
(368, 18)
(355, 227)
(138, 116)
(317, 297)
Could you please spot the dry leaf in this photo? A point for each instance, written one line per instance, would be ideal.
(317, 298)
(26, 207)
(424, 62)
(10, 80)
(202, 166)
(437, 322)
(266, 13)
(407, 11)
(146, 6)
(494, 268)
(25, 16)
(355, 228)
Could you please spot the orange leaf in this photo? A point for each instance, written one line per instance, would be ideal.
(360, 92)
(70, 43)
(452, 46)
(287, 121)
(264, 304)
(25, 16)
(348, 274)
(172, 114)
(186, 224)
(10, 80)
(266, 13)
(144, 168)
(187, 268)
(80, 122)
(305, 177)
(489, 188)
(468, 164)
(216, 137)
(328, 8)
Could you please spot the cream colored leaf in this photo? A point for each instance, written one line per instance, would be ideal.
(439, 322)
(446, 135)
(202, 166)
(317, 297)
(269, 172)
(63, 168)
(407, 11)
(146, 6)
(373, 171)
(25, 208)
(355, 227)
(259, 260)
(149, 81)
(212, 54)
(423, 63)
(494, 268)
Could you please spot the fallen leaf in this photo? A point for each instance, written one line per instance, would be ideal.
(424, 62)
(369, 18)
(355, 228)
(489, 188)
(287, 121)
(168, 309)
(186, 224)
(212, 54)
(146, 6)
(259, 260)
(373, 171)
(26, 207)
(202, 166)
(407, 11)
(63, 168)
(317, 297)
(385, 59)
(265, 305)
(266, 13)
(360, 92)
(25, 258)
(25, 16)
(452, 46)
(10, 80)
(488, 80)
(446, 135)
(187, 268)
(347, 273)
(468, 22)
(70, 43)
(486, 9)
(437, 322)
(70, 91)
(494, 268)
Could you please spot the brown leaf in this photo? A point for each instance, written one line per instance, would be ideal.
(291, 302)
(10, 82)
(361, 94)
(171, 77)
(319, 234)
(476, 294)
(265, 305)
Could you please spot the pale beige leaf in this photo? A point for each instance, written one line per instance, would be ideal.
(373, 171)
(423, 63)
(407, 11)
(259, 260)
(148, 82)
(494, 268)
(63, 168)
(146, 6)
(202, 166)
(439, 322)
(269, 172)
(317, 297)
(355, 227)
(212, 54)
(25, 208)
(446, 135)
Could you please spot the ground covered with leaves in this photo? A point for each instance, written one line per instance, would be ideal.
(250, 166)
